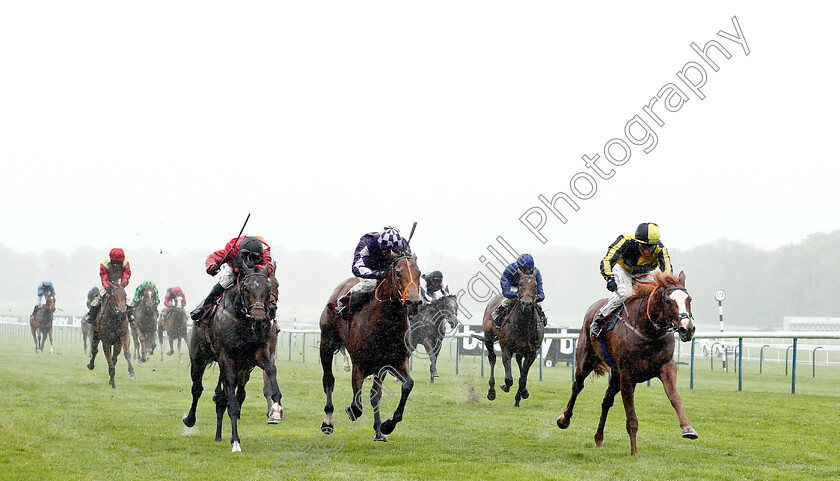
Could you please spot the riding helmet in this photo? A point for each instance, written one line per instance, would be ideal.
(647, 233)
(117, 254)
(390, 239)
(526, 261)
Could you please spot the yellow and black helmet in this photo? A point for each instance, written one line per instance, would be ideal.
(647, 233)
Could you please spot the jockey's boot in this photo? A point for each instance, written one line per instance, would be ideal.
(199, 311)
(196, 313)
(497, 316)
(597, 326)
(541, 313)
(341, 304)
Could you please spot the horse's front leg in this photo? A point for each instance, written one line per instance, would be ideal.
(609, 398)
(432, 349)
(491, 359)
(49, 333)
(227, 372)
(126, 346)
(668, 375)
(327, 352)
(271, 390)
(197, 365)
(524, 367)
(506, 357)
(375, 402)
(628, 388)
(403, 376)
(35, 337)
(94, 349)
(354, 409)
(108, 351)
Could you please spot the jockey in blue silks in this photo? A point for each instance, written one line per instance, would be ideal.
(510, 280)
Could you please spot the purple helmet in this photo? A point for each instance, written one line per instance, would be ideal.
(390, 239)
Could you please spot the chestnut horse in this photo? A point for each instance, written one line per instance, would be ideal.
(41, 324)
(639, 348)
(375, 338)
(146, 319)
(428, 328)
(111, 327)
(173, 320)
(238, 338)
(520, 335)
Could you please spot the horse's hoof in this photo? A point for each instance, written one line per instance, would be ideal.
(90, 366)
(271, 420)
(562, 422)
(505, 388)
(235, 447)
(525, 394)
(491, 395)
(189, 421)
(131, 375)
(350, 413)
(387, 427)
(516, 404)
(689, 433)
(168, 353)
(380, 437)
(276, 411)
(435, 374)
(326, 428)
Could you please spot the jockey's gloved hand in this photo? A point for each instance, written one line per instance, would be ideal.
(611, 286)
(381, 274)
(213, 270)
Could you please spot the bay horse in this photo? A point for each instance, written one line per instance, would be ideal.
(237, 337)
(41, 324)
(428, 328)
(639, 348)
(111, 327)
(520, 335)
(375, 338)
(173, 320)
(146, 320)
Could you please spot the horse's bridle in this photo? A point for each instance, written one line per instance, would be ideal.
(258, 304)
(392, 273)
(669, 326)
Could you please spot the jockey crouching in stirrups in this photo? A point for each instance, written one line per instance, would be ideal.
(371, 262)
(628, 259)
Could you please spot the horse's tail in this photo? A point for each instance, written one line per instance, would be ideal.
(600, 369)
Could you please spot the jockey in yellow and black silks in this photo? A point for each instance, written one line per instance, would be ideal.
(627, 259)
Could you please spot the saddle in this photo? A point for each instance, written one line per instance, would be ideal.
(357, 300)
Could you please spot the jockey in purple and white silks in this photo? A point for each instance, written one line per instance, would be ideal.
(372, 259)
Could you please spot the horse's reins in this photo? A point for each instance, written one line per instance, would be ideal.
(247, 306)
(518, 298)
(667, 327)
(393, 274)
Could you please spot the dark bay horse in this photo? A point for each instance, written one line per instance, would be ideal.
(41, 324)
(238, 338)
(520, 335)
(639, 348)
(173, 320)
(375, 338)
(428, 328)
(111, 327)
(146, 319)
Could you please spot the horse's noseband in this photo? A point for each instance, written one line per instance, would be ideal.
(255, 305)
(669, 326)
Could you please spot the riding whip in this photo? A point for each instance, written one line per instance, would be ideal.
(237, 237)
(411, 234)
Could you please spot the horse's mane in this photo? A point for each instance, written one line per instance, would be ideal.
(660, 279)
